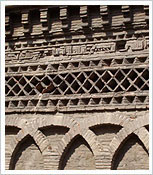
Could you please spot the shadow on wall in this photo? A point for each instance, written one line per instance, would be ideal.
(132, 152)
(77, 156)
(27, 157)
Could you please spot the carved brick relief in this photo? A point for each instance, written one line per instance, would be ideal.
(77, 87)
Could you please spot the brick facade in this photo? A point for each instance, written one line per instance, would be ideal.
(77, 87)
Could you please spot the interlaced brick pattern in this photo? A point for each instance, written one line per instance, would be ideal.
(84, 82)
(95, 70)
(77, 87)
(88, 81)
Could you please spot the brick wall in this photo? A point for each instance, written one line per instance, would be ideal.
(132, 156)
(78, 156)
(77, 87)
(90, 142)
(28, 156)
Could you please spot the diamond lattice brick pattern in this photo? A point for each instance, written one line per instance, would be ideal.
(84, 82)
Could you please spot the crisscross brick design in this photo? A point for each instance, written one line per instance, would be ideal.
(87, 82)
(96, 81)
(77, 87)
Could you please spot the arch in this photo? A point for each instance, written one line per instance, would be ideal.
(143, 135)
(72, 154)
(38, 137)
(27, 149)
(40, 122)
(57, 120)
(15, 121)
(128, 129)
(82, 128)
(31, 128)
(52, 156)
(114, 119)
(10, 132)
(107, 119)
(91, 139)
(132, 152)
(88, 135)
(16, 140)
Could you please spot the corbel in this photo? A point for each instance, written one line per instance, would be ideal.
(104, 12)
(7, 25)
(84, 16)
(25, 21)
(126, 14)
(64, 17)
(44, 19)
(146, 10)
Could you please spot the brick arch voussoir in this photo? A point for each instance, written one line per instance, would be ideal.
(41, 141)
(14, 144)
(66, 139)
(14, 121)
(143, 135)
(128, 129)
(87, 134)
(89, 137)
(109, 119)
(16, 140)
(58, 120)
(39, 138)
(31, 127)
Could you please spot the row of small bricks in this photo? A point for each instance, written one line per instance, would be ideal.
(122, 100)
(79, 64)
(17, 44)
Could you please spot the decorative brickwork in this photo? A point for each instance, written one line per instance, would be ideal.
(77, 87)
